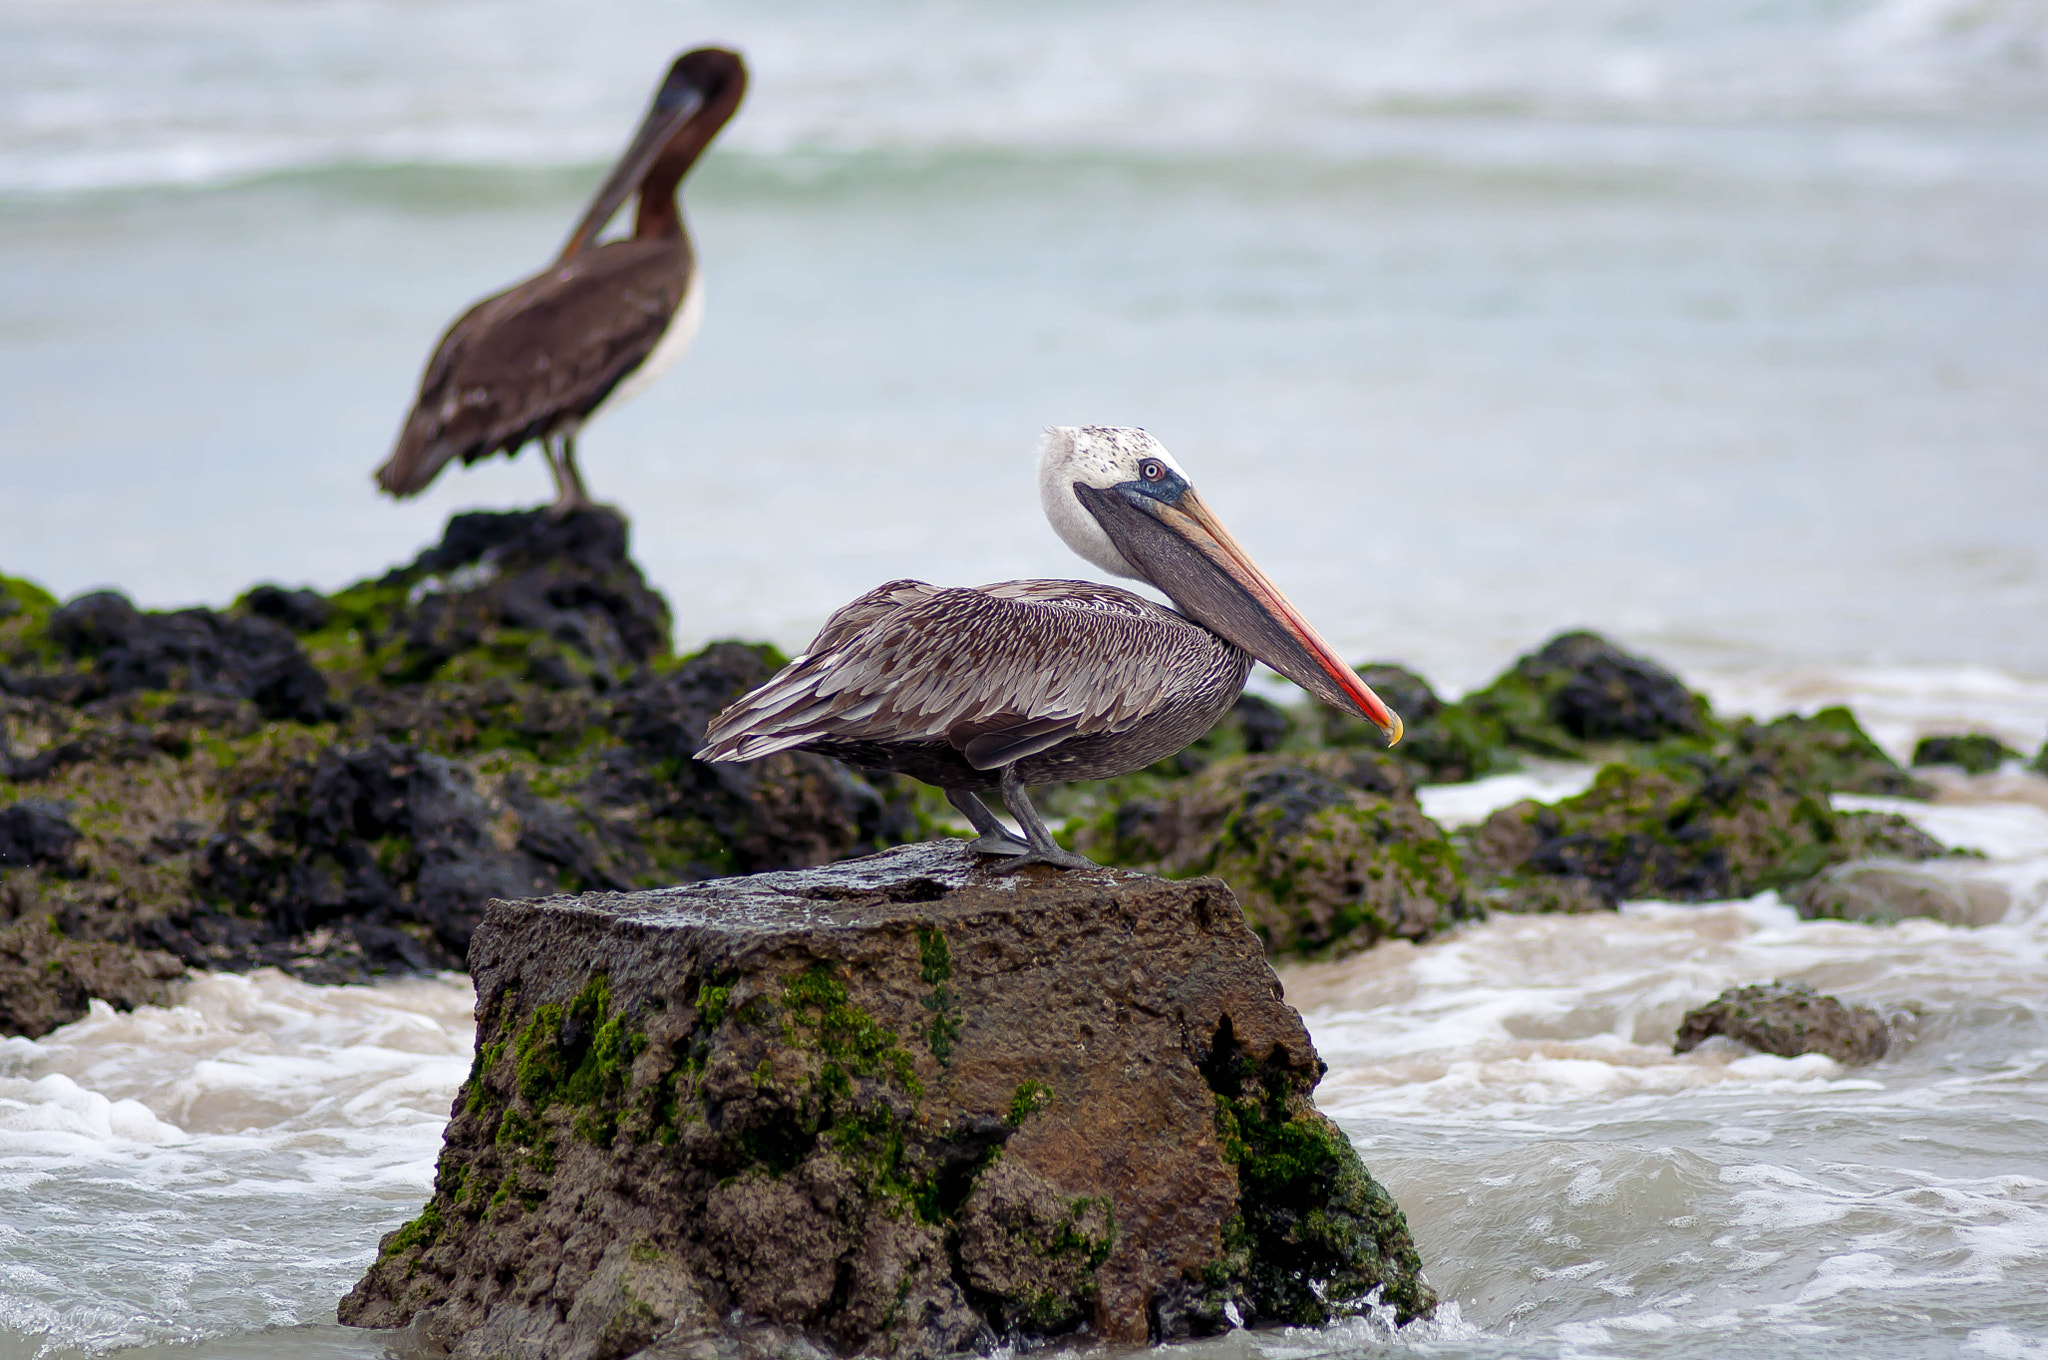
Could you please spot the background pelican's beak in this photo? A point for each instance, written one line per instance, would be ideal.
(1185, 551)
(675, 104)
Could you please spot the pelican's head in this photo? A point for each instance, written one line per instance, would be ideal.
(1117, 497)
(709, 78)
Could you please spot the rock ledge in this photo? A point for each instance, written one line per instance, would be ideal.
(896, 1106)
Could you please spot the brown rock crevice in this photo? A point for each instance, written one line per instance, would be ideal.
(897, 1106)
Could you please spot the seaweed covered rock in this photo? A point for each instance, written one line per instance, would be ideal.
(1973, 752)
(1826, 753)
(1788, 1019)
(1327, 850)
(47, 978)
(502, 720)
(100, 646)
(1579, 691)
(522, 595)
(1694, 829)
(899, 1106)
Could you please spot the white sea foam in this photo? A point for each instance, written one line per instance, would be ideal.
(1515, 1086)
(221, 1164)
(1456, 805)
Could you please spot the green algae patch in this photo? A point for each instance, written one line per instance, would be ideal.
(1973, 753)
(1680, 826)
(1327, 852)
(942, 1031)
(1028, 1099)
(853, 1044)
(1315, 1237)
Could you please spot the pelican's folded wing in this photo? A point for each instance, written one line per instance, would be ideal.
(999, 672)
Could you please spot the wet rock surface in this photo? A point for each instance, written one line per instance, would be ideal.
(1328, 850)
(1788, 1019)
(897, 1106)
(1696, 820)
(336, 785)
(1973, 753)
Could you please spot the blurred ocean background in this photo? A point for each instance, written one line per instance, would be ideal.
(1722, 327)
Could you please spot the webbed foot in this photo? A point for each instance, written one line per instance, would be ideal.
(998, 845)
(1052, 855)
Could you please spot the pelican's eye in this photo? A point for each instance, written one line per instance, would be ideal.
(1152, 470)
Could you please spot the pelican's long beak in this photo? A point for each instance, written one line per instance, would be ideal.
(674, 105)
(1188, 553)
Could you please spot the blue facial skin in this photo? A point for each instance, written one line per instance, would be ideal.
(1167, 488)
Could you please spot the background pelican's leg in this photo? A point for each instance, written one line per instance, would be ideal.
(569, 493)
(996, 839)
(1044, 849)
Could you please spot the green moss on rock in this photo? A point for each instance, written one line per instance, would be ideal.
(1684, 826)
(1973, 753)
(1315, 1237)
(1325, 851)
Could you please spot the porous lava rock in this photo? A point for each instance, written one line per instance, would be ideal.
(898, 1106)
(1971, 752)
(1788, 1019)
(500, 718)
(556, 601)
(1580, 690)
(100, 645)
(47, 978)
(1327, 850)
(1694, 820)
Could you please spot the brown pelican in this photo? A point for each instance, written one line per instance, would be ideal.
(537, 360)
(1006, 686)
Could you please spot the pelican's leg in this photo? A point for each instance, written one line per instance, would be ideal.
(569, 493)
(1044, 849)
(996, 839)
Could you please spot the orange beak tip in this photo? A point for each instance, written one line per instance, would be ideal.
(1394, 729)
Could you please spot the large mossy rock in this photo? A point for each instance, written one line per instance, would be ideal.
(336, 785)
(1971, 752)
(898, 1106)
(1689, 825)
(1328, 851)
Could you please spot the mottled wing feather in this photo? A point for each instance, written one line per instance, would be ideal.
(1000, 672)
(517, 364)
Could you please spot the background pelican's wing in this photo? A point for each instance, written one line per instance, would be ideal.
(554, 346)
(1000, 672)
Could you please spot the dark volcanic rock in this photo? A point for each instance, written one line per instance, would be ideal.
(1690, 830)
(514, 726)
(1580, 688)
(1788, 1019)
(46, 978)
(110, 648)
(1975, 752)
(1327, 850)
(36, 834)
(302, 611)
(899, 1106)
(555, 601)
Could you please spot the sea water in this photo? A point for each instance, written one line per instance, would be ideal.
(207, 1178)
(1717, 327)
